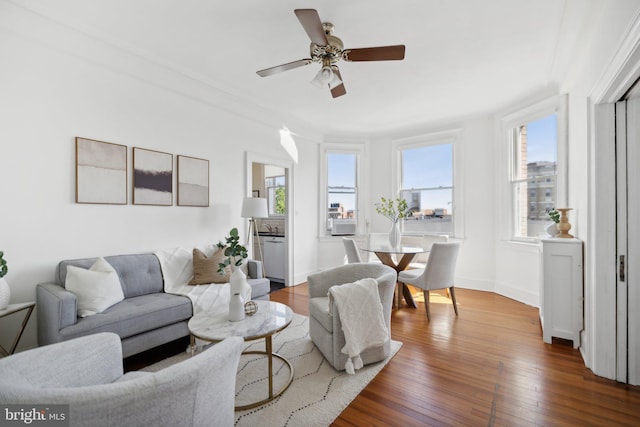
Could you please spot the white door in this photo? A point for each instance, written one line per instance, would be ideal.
(628, 224)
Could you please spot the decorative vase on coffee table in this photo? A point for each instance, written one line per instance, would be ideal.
(236, 308)
(238, 284)
(394, 234)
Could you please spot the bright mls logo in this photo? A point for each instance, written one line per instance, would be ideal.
(34, 415)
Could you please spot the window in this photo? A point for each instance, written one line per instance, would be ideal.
(340, 197)
(342, 193)
(426, 183)
(276, 190)
(535, 172)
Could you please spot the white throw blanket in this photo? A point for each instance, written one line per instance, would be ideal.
(360, 312)
(177, 270)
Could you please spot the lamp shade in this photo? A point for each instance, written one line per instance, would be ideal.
(323, 78)
(254, 207)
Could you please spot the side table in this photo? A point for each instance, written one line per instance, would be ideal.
(11, 309)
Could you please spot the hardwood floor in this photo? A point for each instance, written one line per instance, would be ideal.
(487, 367)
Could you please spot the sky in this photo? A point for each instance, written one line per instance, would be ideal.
(541, 139)
(341, 171)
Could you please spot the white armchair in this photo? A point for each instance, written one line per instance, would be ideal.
(325, 327)
(86, 373)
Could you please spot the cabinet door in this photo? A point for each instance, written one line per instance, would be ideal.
(562, 294)
(274, 258)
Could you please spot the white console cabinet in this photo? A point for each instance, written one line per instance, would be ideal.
(561, 292)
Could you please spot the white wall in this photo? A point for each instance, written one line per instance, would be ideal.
(582, 56)
(57, 85)
(474, 178)
(305, 211)
(606, 34)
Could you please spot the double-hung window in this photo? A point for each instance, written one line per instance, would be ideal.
(427, 186)
(426, 182)
(535, 173)
(340, 197)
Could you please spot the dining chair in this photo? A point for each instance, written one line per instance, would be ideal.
(353, 253)
(438, 274)
(425, 241)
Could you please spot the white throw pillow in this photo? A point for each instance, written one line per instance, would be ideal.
(96, 289)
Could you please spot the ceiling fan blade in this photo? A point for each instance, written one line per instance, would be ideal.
(284, 67)
(381, 53)
(312, 25)
(338, 90)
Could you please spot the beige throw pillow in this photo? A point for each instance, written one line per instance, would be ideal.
(205, 269)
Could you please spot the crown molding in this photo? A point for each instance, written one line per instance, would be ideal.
(116, 57)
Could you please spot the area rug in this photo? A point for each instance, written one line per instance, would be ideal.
(318, 393)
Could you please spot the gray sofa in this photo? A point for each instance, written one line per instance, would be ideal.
(86, 374)
(146, 318)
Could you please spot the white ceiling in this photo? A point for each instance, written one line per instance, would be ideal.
(463, 57)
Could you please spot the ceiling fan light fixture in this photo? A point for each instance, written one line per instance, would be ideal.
(324, 77)
(335, 81)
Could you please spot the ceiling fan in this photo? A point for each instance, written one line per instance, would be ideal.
(328, 49)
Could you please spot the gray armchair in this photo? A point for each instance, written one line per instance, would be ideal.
(325, 329)
(87, 374)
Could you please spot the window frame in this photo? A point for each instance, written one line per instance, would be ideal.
(508, 141)
(275, 187)
(452, 137)
(359, 150)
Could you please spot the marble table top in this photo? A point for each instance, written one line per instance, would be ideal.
(270, 318)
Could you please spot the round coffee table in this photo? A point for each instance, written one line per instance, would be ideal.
(270, 318)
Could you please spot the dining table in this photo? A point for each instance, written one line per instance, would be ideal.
(385, 253)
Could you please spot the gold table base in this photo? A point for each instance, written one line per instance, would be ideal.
(270, 355)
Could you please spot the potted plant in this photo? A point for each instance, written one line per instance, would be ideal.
(552, 229)
(235, 255)
(395, 210)
(5, 291)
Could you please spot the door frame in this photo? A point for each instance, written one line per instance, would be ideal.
(252, 158)
(599, 339)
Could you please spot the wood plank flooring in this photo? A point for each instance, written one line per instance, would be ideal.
(486, 367)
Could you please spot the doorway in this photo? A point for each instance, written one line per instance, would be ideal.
(270, 178)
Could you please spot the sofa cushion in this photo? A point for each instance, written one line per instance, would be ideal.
(96, 289)
(134, 316)
(205, 268)
(139, 274)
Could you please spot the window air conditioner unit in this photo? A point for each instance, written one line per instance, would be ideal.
(343, 228)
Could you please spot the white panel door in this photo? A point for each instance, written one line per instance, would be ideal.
(632, 261)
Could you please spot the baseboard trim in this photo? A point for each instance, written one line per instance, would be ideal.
(518, 294)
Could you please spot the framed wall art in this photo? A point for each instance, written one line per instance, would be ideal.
(101, 172)
(193, 181)
(152, 177)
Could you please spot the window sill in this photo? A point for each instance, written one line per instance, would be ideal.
(330, 238)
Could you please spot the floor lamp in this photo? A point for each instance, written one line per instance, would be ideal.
(252, 208)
